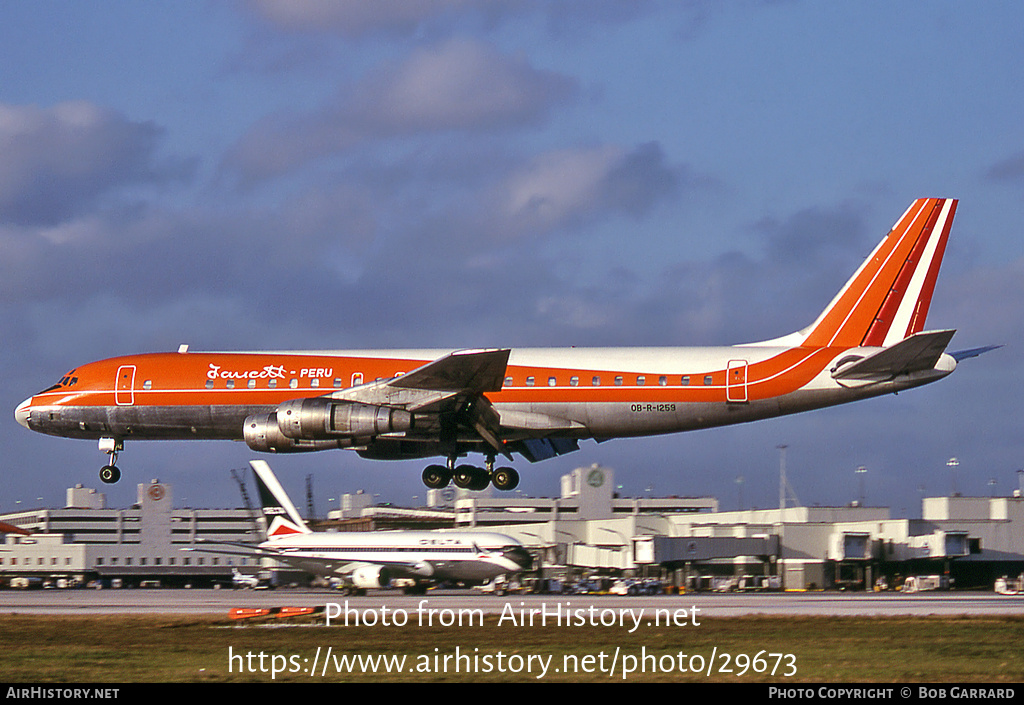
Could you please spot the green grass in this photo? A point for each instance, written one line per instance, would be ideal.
(122, 649)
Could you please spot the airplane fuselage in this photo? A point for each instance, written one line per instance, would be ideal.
(588, 392)
(416, 555)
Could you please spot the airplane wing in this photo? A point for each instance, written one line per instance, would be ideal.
(918, 352)
(465, 370)
(432, 387)
(454, 384)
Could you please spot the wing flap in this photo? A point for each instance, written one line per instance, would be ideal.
(531, 421)
(537, 449)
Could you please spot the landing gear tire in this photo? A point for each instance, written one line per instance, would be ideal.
(505, 479)
(463, 476)
(436, 477)
(469, 477)
(110, 474)
(481, 479)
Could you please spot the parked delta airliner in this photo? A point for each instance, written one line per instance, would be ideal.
(372, 559)
(535, 402)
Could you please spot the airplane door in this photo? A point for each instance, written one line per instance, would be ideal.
(736, 382)
(124, 387)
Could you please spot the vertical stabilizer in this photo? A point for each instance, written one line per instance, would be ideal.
(281, 516)
(887, 299)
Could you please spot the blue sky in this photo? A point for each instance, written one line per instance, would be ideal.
(312, 174)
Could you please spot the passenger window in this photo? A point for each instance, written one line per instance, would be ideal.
(686, 380)
(508, 381)
(272, 384)
(231, 384)
(618, 380)
(640, 380)
(663, 380)
(596, 381)
(148, 384)
(314, 382)
(574, 381)
(357, 379)
(251, 384)
(707, 380)
(337, 382)
(209, 384)
(293, 383)
(529, 381)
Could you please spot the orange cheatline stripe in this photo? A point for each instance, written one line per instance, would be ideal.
(779, 374)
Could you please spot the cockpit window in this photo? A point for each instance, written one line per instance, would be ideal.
(68, 380)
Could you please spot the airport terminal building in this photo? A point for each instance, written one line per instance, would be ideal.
(86, 541)
(586, 530)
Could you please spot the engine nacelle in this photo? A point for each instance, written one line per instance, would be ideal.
(371, 576)
(262, 433)
(320, 418)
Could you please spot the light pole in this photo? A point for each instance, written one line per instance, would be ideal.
(952, 464)
(861, 472)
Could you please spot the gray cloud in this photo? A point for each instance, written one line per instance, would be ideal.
(57, 162)
(570, 188)
(1009, 169)
(355, 17)
(459, 85)
(359, 19)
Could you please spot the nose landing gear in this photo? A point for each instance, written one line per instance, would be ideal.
(110, 473)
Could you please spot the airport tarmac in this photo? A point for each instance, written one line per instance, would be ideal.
(213, 602)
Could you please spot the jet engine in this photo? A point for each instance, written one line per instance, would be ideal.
(320, 418)
(371, 576)
(262, 433)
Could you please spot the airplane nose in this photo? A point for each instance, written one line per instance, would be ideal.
(22, 411)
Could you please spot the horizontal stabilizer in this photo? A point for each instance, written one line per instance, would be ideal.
(918, 352)
(973, 352)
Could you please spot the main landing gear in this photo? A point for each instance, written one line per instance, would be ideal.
(111, 446)
(470, 477)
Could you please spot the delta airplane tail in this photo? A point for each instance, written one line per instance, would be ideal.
(887, 299)
(281, 516)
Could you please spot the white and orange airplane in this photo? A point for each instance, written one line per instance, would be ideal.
(401, 404)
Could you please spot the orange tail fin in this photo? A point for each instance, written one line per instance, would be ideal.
(887, 299)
